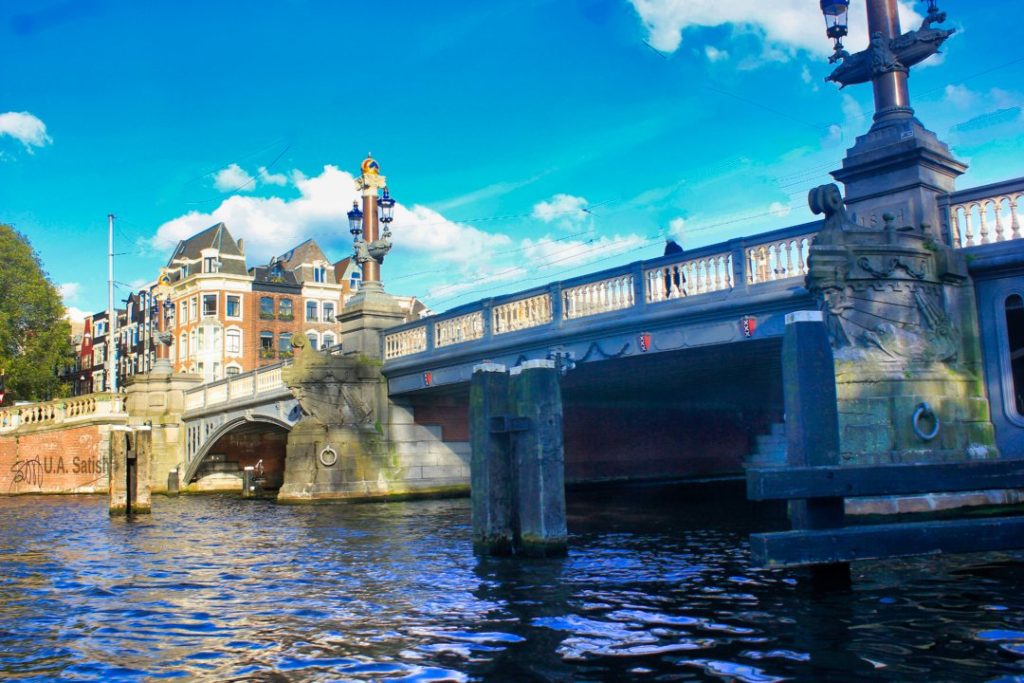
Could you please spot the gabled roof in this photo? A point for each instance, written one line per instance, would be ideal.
(217, 237)
(306, 253)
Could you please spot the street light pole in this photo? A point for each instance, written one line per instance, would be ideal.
(371, 245)
(890, 53)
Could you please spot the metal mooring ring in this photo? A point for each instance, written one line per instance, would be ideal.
(923, 409)
(329, 456)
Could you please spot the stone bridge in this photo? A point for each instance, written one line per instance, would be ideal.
(254, 410)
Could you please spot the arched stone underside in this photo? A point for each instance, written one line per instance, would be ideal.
(255, 440)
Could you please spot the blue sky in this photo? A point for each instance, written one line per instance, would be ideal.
(525, 140)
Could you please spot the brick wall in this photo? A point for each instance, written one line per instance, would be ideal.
(55, 461)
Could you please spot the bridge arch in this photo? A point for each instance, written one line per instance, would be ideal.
(241, 441)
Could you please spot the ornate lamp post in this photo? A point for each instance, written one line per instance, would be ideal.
(371, 245)
(887, 60)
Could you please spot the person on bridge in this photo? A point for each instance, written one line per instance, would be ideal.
(675, 278)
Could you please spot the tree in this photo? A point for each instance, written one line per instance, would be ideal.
(35, 338)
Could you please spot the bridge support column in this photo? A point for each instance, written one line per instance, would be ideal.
(518, 470)
(491, 463)
(812, 427)
(130, 458)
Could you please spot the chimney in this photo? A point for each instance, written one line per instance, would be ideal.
(241, 246)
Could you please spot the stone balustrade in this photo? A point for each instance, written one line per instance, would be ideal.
(236, 387)
(63, 412)
(994, 216)
(405, 343)
(521, 314)
(593, 298)
(457, 330)
(701, 275)
(779, 255)
(778, 260)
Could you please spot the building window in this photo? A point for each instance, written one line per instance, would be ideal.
(311, 336)
(266, 308)
(328, 340)
(201, 340)
(234, 306)
(192, 343)
(233, 370)
(183, 344)
(183, 271)
(311, 307)
(233, 340)
(319, 274)
(1015, 337)
(193, 309)
(284, 344)
(284, 310)
(209, 304)
(328, 311)
(354, 280)
(183, 314)
(266, 344)
(211, 264)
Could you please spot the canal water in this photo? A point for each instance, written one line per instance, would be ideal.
(657, 586)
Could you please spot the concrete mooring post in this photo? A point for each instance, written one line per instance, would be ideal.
(130, 461)
(812, 426)
(518, 460)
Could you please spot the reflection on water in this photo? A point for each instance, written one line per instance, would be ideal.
(657, 586)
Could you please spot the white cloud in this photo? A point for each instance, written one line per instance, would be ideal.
(25, 128)
(69, 291)
(271, 225)
(714, 54)
(790, 24)
(233, 179)
(547, 253)
(567, 210)
(961, 96)
(75, 315)
(677, 228)
(779, 209)
(268, 178)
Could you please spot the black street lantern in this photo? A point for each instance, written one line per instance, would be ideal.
(835, 12)
(387, 207)
(168, 309)
(355, 220)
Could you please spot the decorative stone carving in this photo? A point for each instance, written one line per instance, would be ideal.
(332, 390)
(882, 289)
(881, 56)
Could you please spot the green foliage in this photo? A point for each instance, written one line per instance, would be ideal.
(35, 339)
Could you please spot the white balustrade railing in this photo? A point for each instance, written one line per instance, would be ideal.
(987, 220)
(702, 275)
(457, 330)
(603, 296)
(269, 379)
(195, 399)
(217, 393)
(778, 260)
(405, 343)
(61, 411)
(521, 314)
(241, 386)
(236, 387)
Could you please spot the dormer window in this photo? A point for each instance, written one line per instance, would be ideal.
(184, 272)
(319, 274)
(210, 264)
